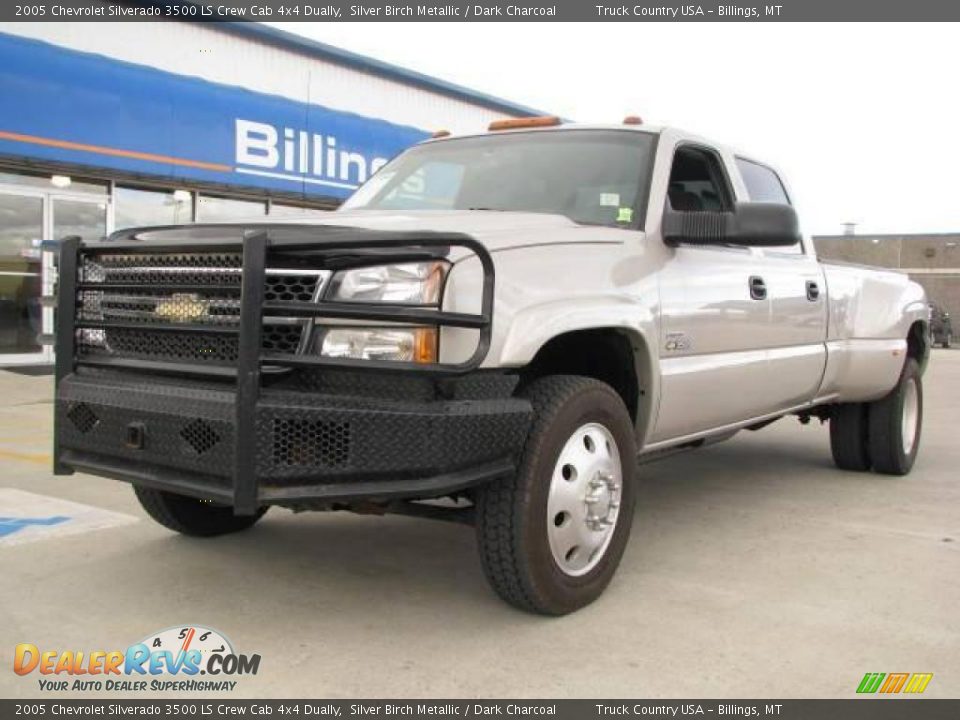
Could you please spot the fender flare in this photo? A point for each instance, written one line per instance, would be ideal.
(532, 328)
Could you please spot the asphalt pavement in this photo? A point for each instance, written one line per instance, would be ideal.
(755, 569)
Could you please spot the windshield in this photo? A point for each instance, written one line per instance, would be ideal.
(590, 176)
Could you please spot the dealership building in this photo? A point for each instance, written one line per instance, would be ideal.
(106, 126)
(933, 260)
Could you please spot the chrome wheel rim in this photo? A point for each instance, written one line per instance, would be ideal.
(911, 415)
(584, 500)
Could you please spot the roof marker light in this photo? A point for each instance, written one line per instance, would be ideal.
(527, 122)
(633, 120)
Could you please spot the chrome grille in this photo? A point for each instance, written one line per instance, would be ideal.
(153, 345)
(164, 268)
(158, 306)
(196, 290)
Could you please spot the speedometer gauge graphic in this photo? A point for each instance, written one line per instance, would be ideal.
(181, 639)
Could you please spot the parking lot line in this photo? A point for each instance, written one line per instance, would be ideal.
(27, 517)
(39, 458)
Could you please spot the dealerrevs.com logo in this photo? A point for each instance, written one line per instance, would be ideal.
(170, 660)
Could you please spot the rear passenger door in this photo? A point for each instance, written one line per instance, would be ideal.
(798, 300)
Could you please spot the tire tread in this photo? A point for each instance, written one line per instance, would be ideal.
(849, 441)
(188, 516)
(885, 442)
(498, 517)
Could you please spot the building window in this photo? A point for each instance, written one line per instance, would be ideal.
(82, 218)
(136, 207)
(20, 273)
(219, 209)
(280, 210)
(54, 183)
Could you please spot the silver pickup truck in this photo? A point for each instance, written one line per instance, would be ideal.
(496, 329)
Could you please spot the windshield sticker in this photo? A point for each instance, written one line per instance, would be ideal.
(609, 199)
(625, 215)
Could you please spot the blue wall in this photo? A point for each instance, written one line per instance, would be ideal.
(60, 99)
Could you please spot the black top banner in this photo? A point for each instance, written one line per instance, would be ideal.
(483, 11)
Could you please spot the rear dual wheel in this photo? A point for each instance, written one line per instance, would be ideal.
(885, 434)
(848, 437)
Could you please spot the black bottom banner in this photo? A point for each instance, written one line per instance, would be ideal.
(875, 708)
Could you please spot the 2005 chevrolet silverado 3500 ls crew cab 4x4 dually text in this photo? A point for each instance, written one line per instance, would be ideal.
(515, 320)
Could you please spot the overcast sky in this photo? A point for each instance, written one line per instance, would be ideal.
(861, 118)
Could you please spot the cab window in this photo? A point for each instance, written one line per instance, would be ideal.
(697, 183)
(593, 177)
(434, 185)
(764, 185)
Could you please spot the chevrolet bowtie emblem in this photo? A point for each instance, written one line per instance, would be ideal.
(181, 307)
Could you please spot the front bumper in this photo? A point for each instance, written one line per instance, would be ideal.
(311, 449)
(142, 314)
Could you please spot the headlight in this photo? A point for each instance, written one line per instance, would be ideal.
(418, 283)
(414, 344)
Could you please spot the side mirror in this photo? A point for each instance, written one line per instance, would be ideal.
(750, 223)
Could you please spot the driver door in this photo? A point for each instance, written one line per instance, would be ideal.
(714, 314)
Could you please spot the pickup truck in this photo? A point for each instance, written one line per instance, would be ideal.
(497, 329)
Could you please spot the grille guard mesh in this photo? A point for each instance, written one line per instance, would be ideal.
(188, 284)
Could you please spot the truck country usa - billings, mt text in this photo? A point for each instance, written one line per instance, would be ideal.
(675, 11)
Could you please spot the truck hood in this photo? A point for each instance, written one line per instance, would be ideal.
(494, 229)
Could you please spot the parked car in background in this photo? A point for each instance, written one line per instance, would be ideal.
(941, 329)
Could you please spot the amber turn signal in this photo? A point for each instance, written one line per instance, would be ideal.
(425, 345)
(527, 122)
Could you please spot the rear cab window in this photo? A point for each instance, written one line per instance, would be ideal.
(764, 185)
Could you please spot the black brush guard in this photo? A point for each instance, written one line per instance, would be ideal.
(333, 247)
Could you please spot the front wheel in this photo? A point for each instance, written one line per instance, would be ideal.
(895, 422)
(190, 516)
(551, 536)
